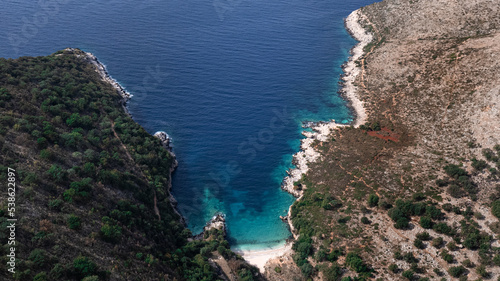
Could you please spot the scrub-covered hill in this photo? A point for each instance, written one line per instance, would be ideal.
(91, 195)
(413, 193)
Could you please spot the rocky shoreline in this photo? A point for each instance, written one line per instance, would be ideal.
(165, 140)
(307, 153)
(321, 130)
(268, 259)
(103, 72)
(218, 221)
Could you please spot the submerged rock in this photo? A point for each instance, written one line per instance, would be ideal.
(216, 222)
(312, 125)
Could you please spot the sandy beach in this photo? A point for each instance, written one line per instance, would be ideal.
(321, 131)
(259, 258)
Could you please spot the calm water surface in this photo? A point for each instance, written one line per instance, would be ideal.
(230, 81)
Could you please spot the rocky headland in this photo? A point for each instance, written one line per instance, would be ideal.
(103, 73)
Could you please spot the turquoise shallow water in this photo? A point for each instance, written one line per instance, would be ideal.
(230, 81)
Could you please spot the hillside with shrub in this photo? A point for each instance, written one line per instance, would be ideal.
(92, 186)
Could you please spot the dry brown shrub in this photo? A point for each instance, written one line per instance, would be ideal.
(45, 225)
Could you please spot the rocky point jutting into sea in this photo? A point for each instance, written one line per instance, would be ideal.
(408, 190)
(102, 182)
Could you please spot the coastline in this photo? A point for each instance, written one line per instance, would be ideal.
(100, 68)
(307, 153)
(260, 258)
(105, 77)
(320, 132)
(103, 72)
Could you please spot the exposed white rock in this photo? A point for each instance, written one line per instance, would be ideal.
(322, 130)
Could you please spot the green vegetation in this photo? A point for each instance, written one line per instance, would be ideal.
(496, 260)
(495, 208)
(456, 271)
(426, 222)
(452, 246)
(393, 268)
(332, 273)
(373, 200)
(56, 204)
(404, 210)
(481, 270)
(85, 165)
(437, 242)
(468, 263)
(74, 222)
(446, 256)
(479, 165)
(42, 276)
(111, 233)
(84, 267)
(355, 262)
(424, 236)
(408, 274)
(303, 249)
(371, 126)
(38, 257)
(443, 228)
(419, 244)
(459, 183)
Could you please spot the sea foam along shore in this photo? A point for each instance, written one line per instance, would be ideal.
(307, 153)
(259, 258)
(103, 72)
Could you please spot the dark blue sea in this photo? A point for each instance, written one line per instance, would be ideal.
(229, 80)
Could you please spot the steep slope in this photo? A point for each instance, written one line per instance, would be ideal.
(413, 193)
(92, 196)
